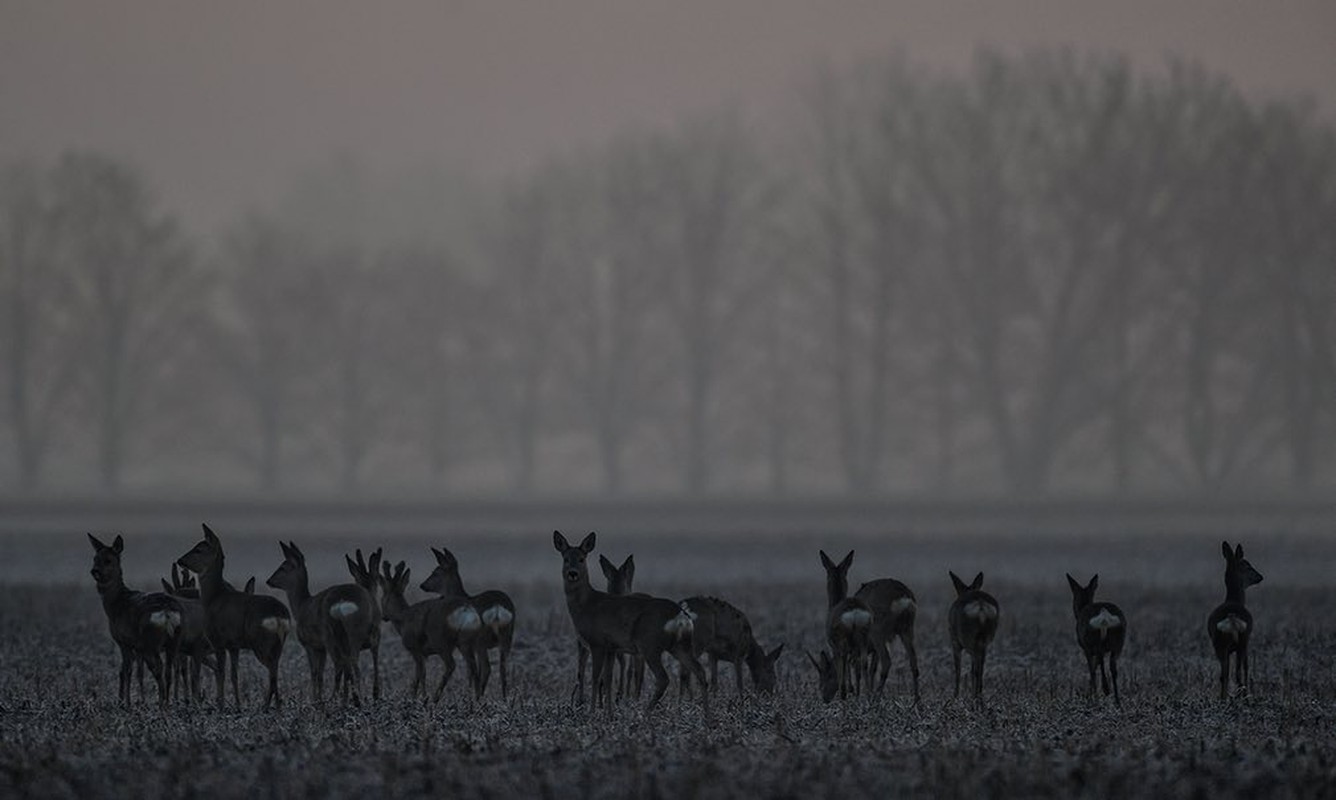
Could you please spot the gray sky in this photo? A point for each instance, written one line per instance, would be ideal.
(220, 102)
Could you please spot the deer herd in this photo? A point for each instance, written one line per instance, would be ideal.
(200, 619)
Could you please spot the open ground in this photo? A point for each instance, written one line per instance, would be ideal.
(63, 734)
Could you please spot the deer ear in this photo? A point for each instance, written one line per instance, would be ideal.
(97, 544)
(1071, 582)
(250, 585)
(978, 581)
(559, 542)
(588, 544)
(629, 570)
(374, 562)
(849, 559)
(353, 568)
(1094, 582)
(826, 562)
(209, 535)
(1238, 551)
(297, 554)
(609, 571)
(118, 544)
(961, 588)
(1224, 548)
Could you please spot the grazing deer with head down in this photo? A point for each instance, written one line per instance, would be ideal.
(237, 621)
(973, 623)
(1230, 624)
(145, 626)
(849, 631)
(1101, 629)
(493, 606)
(646, 626)
(431, 627)
(724, 633)
(336, 622)
(366, 573)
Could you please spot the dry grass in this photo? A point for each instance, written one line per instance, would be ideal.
(62, 733)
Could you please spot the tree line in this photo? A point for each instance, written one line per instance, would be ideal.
(1049, 272)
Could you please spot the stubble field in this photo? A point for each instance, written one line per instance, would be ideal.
(63, 733)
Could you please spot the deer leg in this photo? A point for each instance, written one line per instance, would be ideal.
(1090, 662)
(484, 671)
(236, 685)
(655, 663)
(1113, 671)
(139, 676)
(221, 677)
(600, 659)
(123, 677)
(686, 660)
(1103, 678)
(1246, 683)
(955, 659)
(160, 679)
(449, 658)
(502, 660)
(1223, 655)
(375, 672)
(419, 673)
(582, 656)
(977, 664)
(737, 672)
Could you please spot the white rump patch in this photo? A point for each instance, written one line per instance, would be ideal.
(1232, 626)
(278, 625)
(169, 621)
(856, 618)
(980, 610)
(1104, 621)
(464, 618)
(902, 605)
(497, 617)
(682, 624)
(343, 608)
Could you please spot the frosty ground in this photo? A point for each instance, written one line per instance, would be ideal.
(63, 734)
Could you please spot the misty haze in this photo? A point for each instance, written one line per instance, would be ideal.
(386, 294)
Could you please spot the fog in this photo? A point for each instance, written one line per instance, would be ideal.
(1031, 250)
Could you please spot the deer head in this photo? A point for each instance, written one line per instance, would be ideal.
(574, 571)
(837, 577)
(366, 572)
(1082, 596)
(619, 578)
(204, 554)
(960, 585)
(762, 667)
(106, 569)
(393, 583)
(445, 577)
(291, 574)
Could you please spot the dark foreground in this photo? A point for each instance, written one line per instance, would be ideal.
(62, 733)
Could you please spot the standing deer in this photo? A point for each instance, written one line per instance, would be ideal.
(1101, 629)
(849, 631)
(145, 626)
(1230, 624)
(973, 623)
(619, 581)
(237, 621)
(493, 606)
(431, 627)
(646, 626)
(366, 573)
(335, 622)
(894, 609)
(724, 633)
(193, 637)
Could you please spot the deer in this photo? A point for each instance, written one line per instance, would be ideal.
(431, 627)
(193, 642)
(493, 606)
(619, 580)
(237, 621)
(972, 622)
(334, 622)
(1101, 629)
(849, 632)
(1230, 624)
(645, 626)
(366, 573)
(724, 633)
(144, 626)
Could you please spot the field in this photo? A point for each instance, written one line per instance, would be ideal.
(63, 734)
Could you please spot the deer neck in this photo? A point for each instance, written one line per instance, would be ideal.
(1234, 587)
(114, 593)
(299, 594)
(454, 585)
(211, 581)
(836, 590)
(578, 593)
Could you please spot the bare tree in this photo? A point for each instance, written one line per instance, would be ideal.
(138, 288)
(39, 339)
